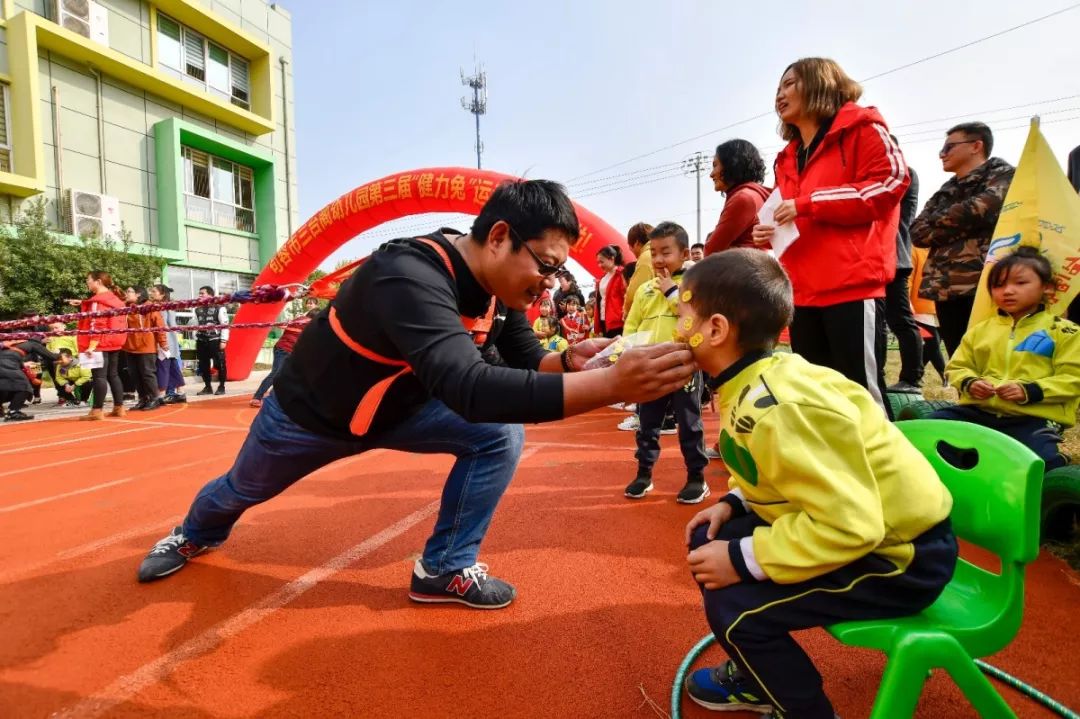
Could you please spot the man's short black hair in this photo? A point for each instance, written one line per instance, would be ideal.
(747, 286)
(208, 288)
(530, 207)
(697, 246)
(976, 131)
(671, 229)
(741, 162)
(64, 352)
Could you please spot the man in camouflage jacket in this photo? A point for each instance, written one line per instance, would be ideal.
(957, 224)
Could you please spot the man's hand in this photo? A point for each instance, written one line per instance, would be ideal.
(643, 374)
(586, 350)
(762, 235)
(715, 516)
(663, 280)
(981, 389)
(711, 565)
(786, 212)
(73, 303)
(92, 347)
(1010, 392)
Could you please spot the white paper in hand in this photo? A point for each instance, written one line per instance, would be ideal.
(91, 360)
(783, 235)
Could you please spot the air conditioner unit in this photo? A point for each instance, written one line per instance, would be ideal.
(83, 17)
(93, 214)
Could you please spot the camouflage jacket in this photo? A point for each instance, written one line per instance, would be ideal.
(957, 225)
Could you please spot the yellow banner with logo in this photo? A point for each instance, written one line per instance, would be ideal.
(1041, 209)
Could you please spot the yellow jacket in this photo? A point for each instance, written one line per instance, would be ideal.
(654, 312)
(643, 272)
(812, 454)
(1040, 352)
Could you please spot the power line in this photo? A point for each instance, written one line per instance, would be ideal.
(868, 79)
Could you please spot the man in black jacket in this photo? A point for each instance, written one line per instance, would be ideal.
(210, 344)
(396, 362)
(15, 387)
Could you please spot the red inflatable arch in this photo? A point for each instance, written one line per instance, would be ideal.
(433, 189)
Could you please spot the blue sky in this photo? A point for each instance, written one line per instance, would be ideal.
(578, 86)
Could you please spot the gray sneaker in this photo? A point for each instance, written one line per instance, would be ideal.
(169, 555)
(470, 586)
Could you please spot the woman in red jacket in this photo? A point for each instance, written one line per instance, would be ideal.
(737, 171)
(104, 296)
(842, 178)
(611, 292)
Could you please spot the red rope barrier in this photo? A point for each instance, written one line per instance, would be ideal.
(263, 294)
(20, 336)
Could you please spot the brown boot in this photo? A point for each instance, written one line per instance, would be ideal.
(118, 411)
(95, 414)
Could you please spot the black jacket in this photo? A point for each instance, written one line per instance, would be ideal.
(12, 378)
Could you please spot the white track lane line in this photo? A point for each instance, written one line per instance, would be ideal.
(155, 671)
(103, 435)
(112, 453)
(234, 428)
(157, 471)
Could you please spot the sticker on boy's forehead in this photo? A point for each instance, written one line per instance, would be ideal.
(688, 323)
(686, 295)
(696, 340)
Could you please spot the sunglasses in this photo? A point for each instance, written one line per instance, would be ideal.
(543, 268)
(948, 146)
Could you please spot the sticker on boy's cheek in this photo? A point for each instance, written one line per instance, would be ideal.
(688, 323)
(686, 295)
(696, 340)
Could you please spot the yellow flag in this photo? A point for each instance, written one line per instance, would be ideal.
(1041, 209)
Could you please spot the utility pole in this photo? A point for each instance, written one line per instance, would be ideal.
(694, 165)
(477, 105)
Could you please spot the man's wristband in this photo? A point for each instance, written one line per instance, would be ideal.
(566, 357)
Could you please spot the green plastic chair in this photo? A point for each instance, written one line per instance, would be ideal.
(996, 507)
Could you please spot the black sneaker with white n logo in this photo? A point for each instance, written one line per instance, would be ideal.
(470, 586)
(169, 555)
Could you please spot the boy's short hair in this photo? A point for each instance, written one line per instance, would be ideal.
(697, 246)
(671, 229)
(1024, 255)
(747, 286)
(65, 352)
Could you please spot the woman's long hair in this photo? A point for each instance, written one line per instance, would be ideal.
(824, 87)
(106, 279)
(612, 252)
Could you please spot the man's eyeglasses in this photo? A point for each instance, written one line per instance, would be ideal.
(545, 269)
(948, 146)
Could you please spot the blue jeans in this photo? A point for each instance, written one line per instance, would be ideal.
(278, 452)
(268, 380)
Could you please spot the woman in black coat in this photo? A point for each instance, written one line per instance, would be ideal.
(15, 388)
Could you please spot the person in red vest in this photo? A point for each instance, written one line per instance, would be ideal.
(397, 362)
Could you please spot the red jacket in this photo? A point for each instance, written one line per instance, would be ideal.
(106, 342)
(736, 224)
(848, 203)
(613, 302)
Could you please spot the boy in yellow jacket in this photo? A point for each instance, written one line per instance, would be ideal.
(1019, 371)
(831, 513)
(655, 310)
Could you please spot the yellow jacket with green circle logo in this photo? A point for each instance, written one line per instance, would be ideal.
(1040, 352)
(812, 454)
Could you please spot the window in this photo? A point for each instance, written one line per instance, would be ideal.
(190, 56)
(5, 123)
(218, 192)
(186, 281)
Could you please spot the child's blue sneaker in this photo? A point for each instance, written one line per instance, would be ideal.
(726, 689)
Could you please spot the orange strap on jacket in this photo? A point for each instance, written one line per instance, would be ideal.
(478, 327)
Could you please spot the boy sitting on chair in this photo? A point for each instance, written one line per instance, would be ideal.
(831, 514)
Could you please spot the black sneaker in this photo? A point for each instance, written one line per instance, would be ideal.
(17, 416)
(470, 586)
(669, 426)
(726, 689)
(694, 491)
(129, 396)
(904, 388)
(220, 389)
(175, 398)
(205, 391)
(168, 555)
(641, 486)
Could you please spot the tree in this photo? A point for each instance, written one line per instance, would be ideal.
(38, 271)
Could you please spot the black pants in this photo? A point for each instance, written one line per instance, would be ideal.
(846, 338)
(48, 368)
(143, 368)
(931, 350)
(209, 352)
(953, 316)
(78, 393)
(16, 400)
(129, 380)
(106, 378)
(901, 321)
(686, 405)
(1041, 436)
(753, 621)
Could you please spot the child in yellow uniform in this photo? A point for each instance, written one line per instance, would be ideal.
(1019, 371)
(546, 330)
(831, 513)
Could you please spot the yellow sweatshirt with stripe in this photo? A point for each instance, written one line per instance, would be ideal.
(1040, 352)
(812, 454)
(654, 312)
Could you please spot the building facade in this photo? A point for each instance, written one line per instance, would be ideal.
(173, 118)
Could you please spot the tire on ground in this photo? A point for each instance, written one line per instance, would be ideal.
(1061, 503)
(923, 409)
(898, 400)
